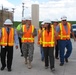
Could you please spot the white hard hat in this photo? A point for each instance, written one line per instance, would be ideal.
(8, 22)
(42, 23)
(63, 18)
(47, 21)
(23, 18)
(28, 18)
(55, 20)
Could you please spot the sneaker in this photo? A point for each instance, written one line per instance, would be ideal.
(66, 60)
(61, 64)
(56, 57)
(46, 67)
(53, 69)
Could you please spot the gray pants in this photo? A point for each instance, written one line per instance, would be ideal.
(28, 50)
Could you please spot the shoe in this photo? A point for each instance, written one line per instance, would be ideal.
(9, 70)
(53, 69)
(21, 55)
(46, 67)
(61, 64)
(2, 68)
(25, 61)
(42, 59)
(66, 60)
(29, 65)
(56, 57)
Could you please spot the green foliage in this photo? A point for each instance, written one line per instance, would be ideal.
(16, 23)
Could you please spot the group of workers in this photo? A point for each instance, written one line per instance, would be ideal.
(50, 35)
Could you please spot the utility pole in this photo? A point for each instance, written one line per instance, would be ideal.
(22, 9)
(13, 15)
(2, 15)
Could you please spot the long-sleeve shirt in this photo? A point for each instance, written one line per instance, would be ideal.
(15, 36)
(19, 28)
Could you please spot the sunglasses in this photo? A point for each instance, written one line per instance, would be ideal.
(63, 20)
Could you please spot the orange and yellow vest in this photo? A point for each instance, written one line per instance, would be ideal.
(27, 37)
(39, 38)
(48, 38)
(63, 35)
(7, 39)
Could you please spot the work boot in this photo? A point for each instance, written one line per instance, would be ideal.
(66, 60)
(29, 65)
(25, 60)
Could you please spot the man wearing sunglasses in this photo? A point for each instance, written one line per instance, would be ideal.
(63, 31)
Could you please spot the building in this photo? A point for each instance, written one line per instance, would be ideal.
(4, 14)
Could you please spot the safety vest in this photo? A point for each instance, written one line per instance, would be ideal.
(57, 38)
(48, 38)
(39, 38)
(7, 39)
(27, 37)
(63, 35)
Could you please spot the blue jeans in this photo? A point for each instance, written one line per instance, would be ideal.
(62, 45)
(42, 53)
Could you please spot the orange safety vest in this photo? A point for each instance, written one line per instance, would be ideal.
(48, 38)
(63, 35)
(27, 37)
(7, 39)
(39, 38)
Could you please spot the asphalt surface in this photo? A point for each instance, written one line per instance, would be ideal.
(19, 67)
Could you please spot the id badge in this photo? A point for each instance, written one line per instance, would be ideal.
(3, 46)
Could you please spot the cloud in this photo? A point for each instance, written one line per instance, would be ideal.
(51, 9)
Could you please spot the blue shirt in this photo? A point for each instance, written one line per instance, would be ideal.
(58, 28)
(15, 36)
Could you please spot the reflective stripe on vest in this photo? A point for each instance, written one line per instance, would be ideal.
(7, 39)
(27, 37)
(39, 38)
(63, 35)
(45, 41)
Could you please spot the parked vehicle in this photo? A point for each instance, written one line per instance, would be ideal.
(74, 29)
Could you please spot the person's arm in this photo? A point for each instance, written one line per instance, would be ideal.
(57, 31)
(16, 38)
(35, 32)
(18, 28)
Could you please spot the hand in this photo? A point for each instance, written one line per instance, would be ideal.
(16, 47)
(74, 39)
(32, 34)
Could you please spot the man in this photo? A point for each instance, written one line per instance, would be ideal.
(8, 35)
(28, 33)
(19, 36)
(55, 23)
(64, 30)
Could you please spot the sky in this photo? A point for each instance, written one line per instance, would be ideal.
(52, 9)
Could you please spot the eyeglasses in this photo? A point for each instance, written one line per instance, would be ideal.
(63, 20)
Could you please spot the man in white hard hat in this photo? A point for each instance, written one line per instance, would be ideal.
(28, 34)
(55, 23)
(19, 36)
(64, 30)
(8, 36)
